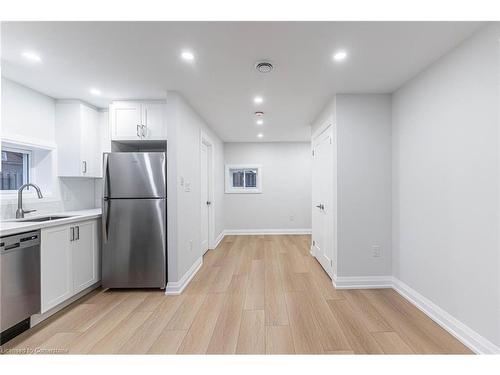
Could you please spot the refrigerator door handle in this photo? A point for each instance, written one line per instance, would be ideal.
(105, 219)
(105, 200)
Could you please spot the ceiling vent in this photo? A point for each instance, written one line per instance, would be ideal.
(264, 67)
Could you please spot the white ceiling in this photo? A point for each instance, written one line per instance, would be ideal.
(130, 60)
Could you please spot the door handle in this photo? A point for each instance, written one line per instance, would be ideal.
(104, 220)
(77, 233)
(84, 164)
(71, 233)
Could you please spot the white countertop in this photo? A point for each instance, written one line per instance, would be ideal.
(8, 227)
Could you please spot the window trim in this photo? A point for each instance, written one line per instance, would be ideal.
(27, 170)
(230, 189)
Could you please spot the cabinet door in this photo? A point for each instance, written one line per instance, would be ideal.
(68, 138)
(153, 119)
(126, 121)
(56, 272)
(85, 256)
(90, 142)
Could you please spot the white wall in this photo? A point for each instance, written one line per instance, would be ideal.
(285, 201)
(446, 183)
(363, 126)
(324, 119)
(184, 204)
(29, 117)
(363, 184)
(27, 113)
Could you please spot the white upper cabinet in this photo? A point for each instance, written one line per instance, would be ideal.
(153, 117)
(126, 120)
(78, 139)
(138, 120)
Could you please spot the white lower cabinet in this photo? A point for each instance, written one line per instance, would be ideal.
(56, 280)
(70, 261)
(85, 256)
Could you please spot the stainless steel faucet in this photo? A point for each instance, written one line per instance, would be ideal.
(20, 212)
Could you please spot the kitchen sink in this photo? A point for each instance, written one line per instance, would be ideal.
(44, 218)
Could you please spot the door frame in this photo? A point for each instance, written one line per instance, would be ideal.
(329, 126)
(207, 141)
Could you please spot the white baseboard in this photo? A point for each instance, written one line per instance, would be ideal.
(470, 338)
(260, 232)
(176, 287)
(362, 282)
(466, 335)
(218, 240)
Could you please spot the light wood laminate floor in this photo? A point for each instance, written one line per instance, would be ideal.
(253, 294)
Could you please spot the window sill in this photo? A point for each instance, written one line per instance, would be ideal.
(243, 191)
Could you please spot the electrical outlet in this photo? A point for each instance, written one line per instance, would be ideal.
(376, 251)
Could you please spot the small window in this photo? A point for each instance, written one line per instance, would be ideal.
(15, 169)
(243, 179)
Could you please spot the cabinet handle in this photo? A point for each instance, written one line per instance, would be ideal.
(137, 132)
(71, 233)
(84, 164)
(144, 130)
(77, 233)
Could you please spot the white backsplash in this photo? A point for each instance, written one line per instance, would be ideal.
(75, 194)
(43, 206)
(98, 184)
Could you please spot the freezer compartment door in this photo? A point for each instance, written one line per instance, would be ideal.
(134, 175)
(134, 243)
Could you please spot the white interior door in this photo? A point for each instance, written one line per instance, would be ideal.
(324, 209)
(205, 198)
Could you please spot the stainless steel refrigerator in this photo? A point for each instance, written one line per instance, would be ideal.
(134, 222)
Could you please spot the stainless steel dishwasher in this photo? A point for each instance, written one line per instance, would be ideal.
(19, 282)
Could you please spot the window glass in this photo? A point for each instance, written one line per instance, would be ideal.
(238, 178)
(15, 169)
(243, 178)
(251, 179)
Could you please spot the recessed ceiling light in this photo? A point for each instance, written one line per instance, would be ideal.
(260, 135)
(264, 67)
(258, 100)
(340, 55)
(32, 56)
(259, 114)
(187, 55)
(260, 122)
(96, 92)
